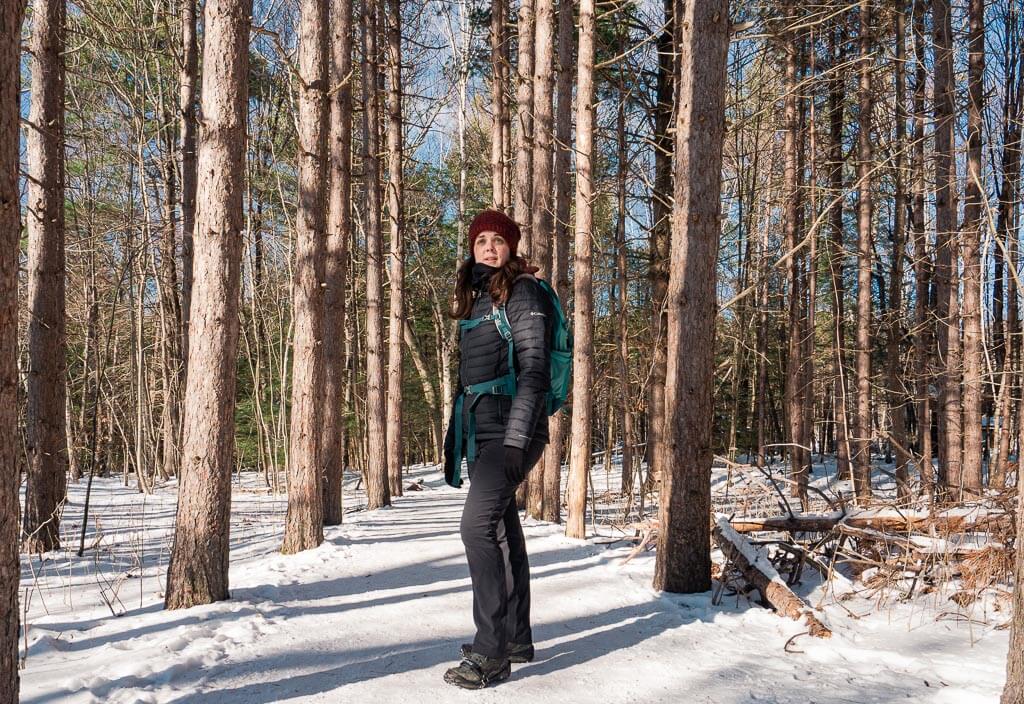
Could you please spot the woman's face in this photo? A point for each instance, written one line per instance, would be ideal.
(491, 249)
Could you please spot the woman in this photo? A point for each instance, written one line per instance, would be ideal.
(500, 425)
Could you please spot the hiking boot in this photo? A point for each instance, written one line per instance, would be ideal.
(517, 652)
(477, 671)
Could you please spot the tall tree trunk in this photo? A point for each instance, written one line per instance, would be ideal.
(1006, 235)
(170, 317)
(865, 250)
(377, 488)
(795, 358)
(1013, 690)
(524, 136)
(894, 338)
(837, 258)
(304, 522)
(187, 100)
(659, 242)
(497, 104)
(583, 322)
(557, 425)
(397, 229)
(541, 214)
(683, 560)
(524, 186)
(198, 569)
(622, 286)
(971, 237)
(946, 250)
(45, 431)
(339, 234)
(923, 340)
(11, 15)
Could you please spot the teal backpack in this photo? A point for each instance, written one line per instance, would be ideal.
(560, 354)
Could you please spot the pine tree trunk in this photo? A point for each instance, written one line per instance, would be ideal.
(45, 431)
(865, 251)
(187, 100)
(303, 528)
(397, 229)
(971, 237)
(339, 234)
(837, 257)
(377, 488)
(541, 214)
(1013, 690)
(923, 340)
(622, 286)
(170, 318)
(894, 338)
(659, 243)
(497, 104)
(583, 323)
(557, 425)
(795, 358)
(198, 569)
(1006, 233)
(524, 136)
(683, 559)
(946, 251)
(11, 15)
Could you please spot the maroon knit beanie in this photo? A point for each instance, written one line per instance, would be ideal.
(495, 221)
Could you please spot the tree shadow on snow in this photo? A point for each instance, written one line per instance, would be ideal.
(611, 631)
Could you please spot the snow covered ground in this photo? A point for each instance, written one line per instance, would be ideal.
(377, 613)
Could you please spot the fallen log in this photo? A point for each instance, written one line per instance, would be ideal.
(759, 572)
(952, 520)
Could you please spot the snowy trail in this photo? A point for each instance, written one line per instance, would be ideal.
(376, 614)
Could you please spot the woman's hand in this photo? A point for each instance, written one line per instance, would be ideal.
(514, 465)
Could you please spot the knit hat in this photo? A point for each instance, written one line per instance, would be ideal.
(495, 221)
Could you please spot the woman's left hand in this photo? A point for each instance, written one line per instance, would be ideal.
(514, 465)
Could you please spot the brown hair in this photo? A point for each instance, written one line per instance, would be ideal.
(500, 286)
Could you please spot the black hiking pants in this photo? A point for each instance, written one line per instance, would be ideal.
(496, 551)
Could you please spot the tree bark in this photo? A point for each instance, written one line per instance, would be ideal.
(1013, 690)
(45, 424)
(187, 100)
(170, 317)
(541, 215)
(946, 251)
(339, 234)
(1006, 233)
(524, 137)
(377, 488)
(971, 237)
(659, 242)
(497, 104)
(622, 286)
(304, 522)
(865, 251)
(894, 339)
(795, 393)
(583, 323)
(11, 15)
(557, 425)
(683, 560)
(837, 259)
(923, 340)
(397, 229)
(198, 569)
